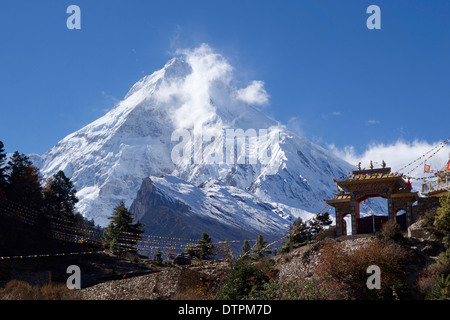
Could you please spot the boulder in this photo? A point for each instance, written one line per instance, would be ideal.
(182, 260)
(419, 230)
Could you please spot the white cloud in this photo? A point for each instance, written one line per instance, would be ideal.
(192, 100)
(372, 122)
(397, 155)
(254, 94)
(331, 114)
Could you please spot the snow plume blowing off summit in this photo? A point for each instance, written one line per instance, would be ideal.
(205, 146)
(193, 97)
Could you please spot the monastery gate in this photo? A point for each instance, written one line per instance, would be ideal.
(364, 184)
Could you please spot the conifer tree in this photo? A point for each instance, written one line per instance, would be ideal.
(2, 171)
(324, 219)
(301, 232)
(259, 249)
(245, 249)
(204, 249)
(122, 233)
(23, 182)
(60, 196)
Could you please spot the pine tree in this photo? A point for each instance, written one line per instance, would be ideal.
(324, 219)
(122, 234)
(204, 248)
(60, 196)
(301, 232)
(207, 250)
(158, 258)
(2, 171)
(260, 247)
(23, 182)
(245, 249)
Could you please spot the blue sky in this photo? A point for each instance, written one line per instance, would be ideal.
(328, 75)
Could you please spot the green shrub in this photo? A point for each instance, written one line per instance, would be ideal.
(441, 288)
(433, 282)
(442, 220)
(242, 277)
(429, 217)
(304, 289)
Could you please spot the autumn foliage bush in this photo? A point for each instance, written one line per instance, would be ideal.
(346, 270)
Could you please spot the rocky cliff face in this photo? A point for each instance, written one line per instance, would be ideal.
(178, 209)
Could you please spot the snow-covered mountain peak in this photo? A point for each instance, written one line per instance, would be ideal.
(108, 159)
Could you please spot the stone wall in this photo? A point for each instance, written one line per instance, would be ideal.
(424, 205)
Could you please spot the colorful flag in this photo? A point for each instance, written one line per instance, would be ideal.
(448, 166)
(427, 168)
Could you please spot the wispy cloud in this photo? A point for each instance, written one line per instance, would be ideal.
(372, 122)
(109, 97)
(331, 114)
(174, 40)
(295, 125)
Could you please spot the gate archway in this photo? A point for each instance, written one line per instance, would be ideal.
(361, 185)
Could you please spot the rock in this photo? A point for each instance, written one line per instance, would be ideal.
(160, 285)
(182, 260)
(419, 230)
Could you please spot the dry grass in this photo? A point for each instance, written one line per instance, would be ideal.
(21, 290)
(192, 294)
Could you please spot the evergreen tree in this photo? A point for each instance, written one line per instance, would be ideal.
(122, 233)
(246, 249)
(158, 258)
(207, 250)
(2, 171)
(259, 249)
(204, 249)
(60, 196)
(23, 182)
(324, 219)
(301, 232)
